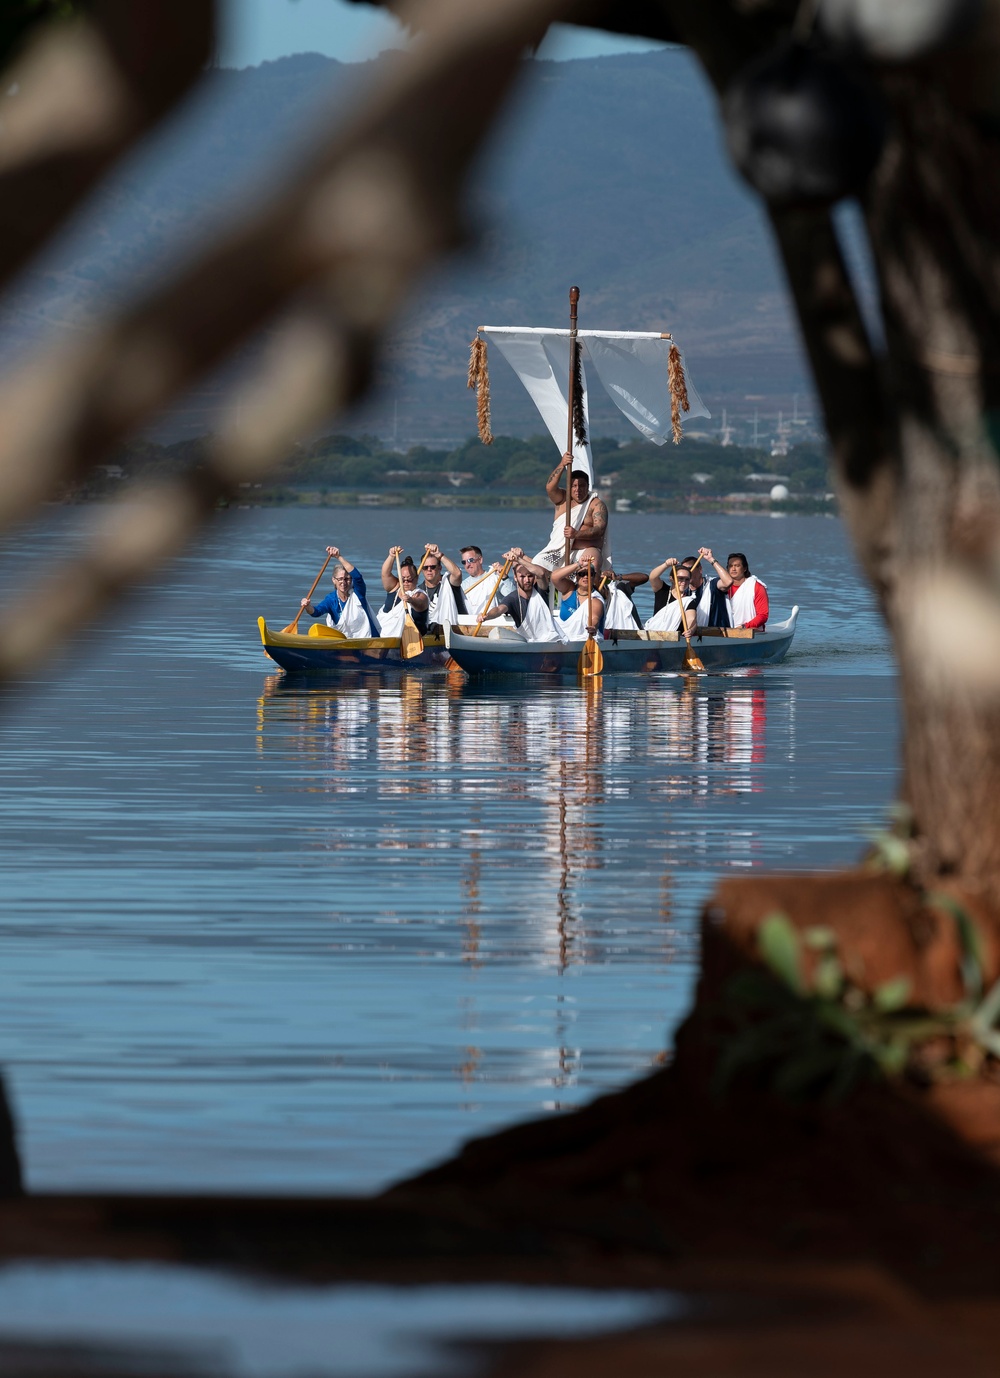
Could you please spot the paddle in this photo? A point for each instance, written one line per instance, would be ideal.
(591, 660)
(500, 578)
(691, 661)
(574, 297)
(293, 627)
(411, 643)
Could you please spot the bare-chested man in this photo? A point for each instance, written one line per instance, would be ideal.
(586, 526)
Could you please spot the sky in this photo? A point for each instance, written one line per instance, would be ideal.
(257, 31)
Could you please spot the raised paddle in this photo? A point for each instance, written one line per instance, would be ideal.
(574, 298)
(591, 660)
(293, 627)
(691, 661)
(411, 643)
(500, 578)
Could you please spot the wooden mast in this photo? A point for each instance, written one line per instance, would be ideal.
(574, 297)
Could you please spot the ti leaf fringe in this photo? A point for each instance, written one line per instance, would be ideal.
(579, 416)
(479, 379)
(678, 391)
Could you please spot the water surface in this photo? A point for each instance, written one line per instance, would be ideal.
(293, 935)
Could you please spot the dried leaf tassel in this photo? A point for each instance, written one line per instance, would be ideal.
(479, 379)
(678, 391)
(579, 416)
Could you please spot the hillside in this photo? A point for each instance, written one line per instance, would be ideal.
(608, 172)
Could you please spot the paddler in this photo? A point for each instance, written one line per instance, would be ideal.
(667, 611)
(581, 616)
(347, 607)
(414, 598)
(478, 582)
(748, 603)
(445, 600)
(586, 527)
(525, 604)
(711, 606)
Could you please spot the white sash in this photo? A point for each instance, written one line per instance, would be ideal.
(668, 619)
(443, 608)
(575, 626)
(741, 608)
(618, 617)
(704, 609)
(552, 555)
(353, 620)
(538, 624)
(476, 598)
(391, 622)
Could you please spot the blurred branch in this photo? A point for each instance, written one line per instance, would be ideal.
(337, 249)
(79, 98)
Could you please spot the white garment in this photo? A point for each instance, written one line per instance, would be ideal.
(618, 617)
(443, 608)
(391, 622)
(537, 622)
(668, 619)
(553, 556)
(704, 609)
(477, 597)
(353, 620)
(741, 608)
(575, 626)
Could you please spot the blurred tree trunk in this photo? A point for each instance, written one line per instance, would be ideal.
(915, 434)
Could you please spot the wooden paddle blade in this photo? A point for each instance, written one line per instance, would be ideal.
(292, 629)
(591, 660)
(691, 661)
(411, 643)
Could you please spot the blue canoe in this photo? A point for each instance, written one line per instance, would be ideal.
(505, 652)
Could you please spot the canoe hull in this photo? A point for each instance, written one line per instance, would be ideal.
(512, 656)
(319, 654)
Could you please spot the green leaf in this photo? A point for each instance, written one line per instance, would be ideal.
(893, 995)
(968, 937)
(819, 938)
(890, 853)
(778, 944)
(989, 1011)
(829, 978)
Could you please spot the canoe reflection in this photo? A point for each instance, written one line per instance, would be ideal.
(567, 751)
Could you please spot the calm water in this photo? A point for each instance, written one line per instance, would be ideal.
(288, 935)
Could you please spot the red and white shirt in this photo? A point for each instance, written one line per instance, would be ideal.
(748, 605)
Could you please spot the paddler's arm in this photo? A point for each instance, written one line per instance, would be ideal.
(553, 491)
(563, 577)
(542, 575)
(725, 579)
(655, 582)
(455, 574)
(388, 567)
(595, 524)
(497, 609)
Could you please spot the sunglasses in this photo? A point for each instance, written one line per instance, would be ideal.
(470, 559)
(432, 567)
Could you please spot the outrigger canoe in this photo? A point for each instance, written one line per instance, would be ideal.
(504, 652)
(321, 649)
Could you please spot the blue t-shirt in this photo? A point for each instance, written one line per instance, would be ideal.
(333, 604)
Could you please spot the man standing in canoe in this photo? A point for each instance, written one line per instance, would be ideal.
(586, 527)
(347, 607)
